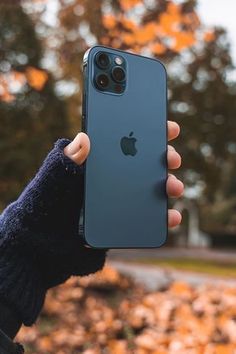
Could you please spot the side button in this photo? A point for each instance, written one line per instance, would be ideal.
(83, 122)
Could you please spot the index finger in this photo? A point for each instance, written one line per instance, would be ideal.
(173, 130)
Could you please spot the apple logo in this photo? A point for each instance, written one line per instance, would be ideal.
(127, 145)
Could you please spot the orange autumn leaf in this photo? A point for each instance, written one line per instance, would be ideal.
(170, 19)
(174, 11)
(105, 41)
(96, 312)
(115, 34)
(224, 349)
(7, 97)
(46, 344)
(183, 40)
(109, 21)
(146, 341)
(158, 48)
(128, 24)
(106, 275)
(36, 78)
(146, 33)
(116, 42)
(209, 36)
(5, 94)
(126, 5)
(170, 24)
(166, 24)
(180, 288)
(166, 32)
(12, 77)
(136, 49)
(128, 39)
(19, 76)
(191, 19)
(117, 346)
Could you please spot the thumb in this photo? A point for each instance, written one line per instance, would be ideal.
(78, 149)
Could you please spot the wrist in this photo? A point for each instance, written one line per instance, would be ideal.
(7, 346)
(9, 320)
(21, 285)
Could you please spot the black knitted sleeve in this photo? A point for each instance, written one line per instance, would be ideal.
(40, 246)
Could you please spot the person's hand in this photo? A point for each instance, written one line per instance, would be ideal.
(79, 148)
(40, 244)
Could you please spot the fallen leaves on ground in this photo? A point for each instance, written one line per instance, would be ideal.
(111, 314)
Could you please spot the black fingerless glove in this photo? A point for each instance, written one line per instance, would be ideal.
(40, 246)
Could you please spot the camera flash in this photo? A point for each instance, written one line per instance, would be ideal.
(118, 60)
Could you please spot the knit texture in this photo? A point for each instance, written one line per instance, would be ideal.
(40, 246)
(7, 346)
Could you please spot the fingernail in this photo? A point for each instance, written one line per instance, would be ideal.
(171, 148)
(73, 147)
(170, 175)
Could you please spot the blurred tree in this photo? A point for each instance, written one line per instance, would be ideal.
(203, 102)
(202, 98)
(31, 116)
(162, 29)
(159, 28)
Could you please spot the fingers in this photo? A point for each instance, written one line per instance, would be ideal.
(173, 158)
(174, 218)
(173, 130)
(174, 187)
(78, 149)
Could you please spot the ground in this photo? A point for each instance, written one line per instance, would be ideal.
(110, 313)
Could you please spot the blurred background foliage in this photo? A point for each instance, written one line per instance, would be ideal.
(42, 44)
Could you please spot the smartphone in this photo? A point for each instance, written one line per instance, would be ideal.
(125, 117)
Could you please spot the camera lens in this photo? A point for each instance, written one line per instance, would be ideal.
(103, 60)
(118, 74)
(118, 88)
(102, 81)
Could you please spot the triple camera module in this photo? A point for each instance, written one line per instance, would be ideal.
(110, 72)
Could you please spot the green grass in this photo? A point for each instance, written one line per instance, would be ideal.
(211, 267)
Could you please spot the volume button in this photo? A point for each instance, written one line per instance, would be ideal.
(84, 105)
(83, 123)
(84, 97)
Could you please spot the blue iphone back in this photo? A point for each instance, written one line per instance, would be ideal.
(125, 201)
